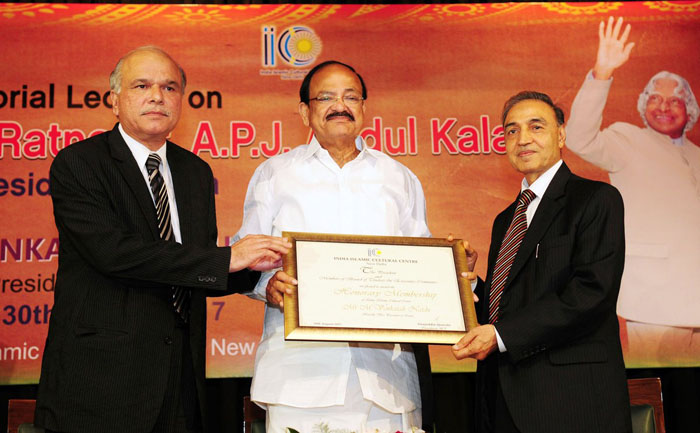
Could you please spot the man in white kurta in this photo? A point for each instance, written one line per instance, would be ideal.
(657, 170)
(334, 184)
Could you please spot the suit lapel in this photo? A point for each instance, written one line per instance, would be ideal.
(183, 191)
(133, 177)
(551, 204)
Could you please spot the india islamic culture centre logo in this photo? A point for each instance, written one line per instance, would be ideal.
(373, 252)
(297, 45)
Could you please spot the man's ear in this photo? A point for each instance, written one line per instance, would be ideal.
(562, 136)
(304, 113)
(114, 99)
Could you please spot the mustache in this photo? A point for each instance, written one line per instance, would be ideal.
(156, 110)
(341, 114)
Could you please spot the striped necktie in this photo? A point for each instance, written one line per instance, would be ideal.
(180, 296)
(509, 249)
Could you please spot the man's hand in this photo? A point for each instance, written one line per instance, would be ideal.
(471, 254)
(258, 252)
(612, 51)
(471, 276)
(479, 343)
(277, 286)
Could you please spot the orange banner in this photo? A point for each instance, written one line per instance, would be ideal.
(437, 76)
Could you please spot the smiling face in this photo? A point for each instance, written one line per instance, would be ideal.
(150, 99)
(666, 111)
(340, 118)
(533, 138)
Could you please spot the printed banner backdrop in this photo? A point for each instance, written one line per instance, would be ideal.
(437, 76)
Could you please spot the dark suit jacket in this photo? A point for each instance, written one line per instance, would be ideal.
(108, 350)
(563, 370)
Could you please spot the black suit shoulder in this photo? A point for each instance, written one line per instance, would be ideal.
(580, 188)
(90, 155)
(595, 202)
(88, 149)
(187, 156)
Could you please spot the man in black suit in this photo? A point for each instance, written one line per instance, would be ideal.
(548, 348)
(126, 343)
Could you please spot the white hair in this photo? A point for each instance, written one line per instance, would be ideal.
(115, 78)
(682, 91)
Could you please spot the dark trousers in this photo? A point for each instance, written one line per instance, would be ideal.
(180, 411)
(497, 417)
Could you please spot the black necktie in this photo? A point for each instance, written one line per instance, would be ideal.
(180, 296)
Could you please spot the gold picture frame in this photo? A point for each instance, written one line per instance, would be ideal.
(378, 316)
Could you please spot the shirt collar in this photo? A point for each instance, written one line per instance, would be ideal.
(680, 141)
(140, 151)
(315, 146)
(540, 185)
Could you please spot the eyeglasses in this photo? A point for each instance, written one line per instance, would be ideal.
(349, 100)
(673, 101)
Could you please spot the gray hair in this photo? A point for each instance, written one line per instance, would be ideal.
(682, 90)
(115, 78)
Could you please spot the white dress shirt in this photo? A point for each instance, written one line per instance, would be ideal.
(305, 190)
(141, 154)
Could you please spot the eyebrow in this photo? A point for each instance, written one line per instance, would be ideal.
(349, 89)
(146, 80)
(673, 96)
(529, 122)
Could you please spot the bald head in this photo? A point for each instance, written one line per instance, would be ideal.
(115, 78)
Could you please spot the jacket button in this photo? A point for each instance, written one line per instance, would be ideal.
(168, 340)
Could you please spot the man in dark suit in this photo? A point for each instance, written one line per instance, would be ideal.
(548, 348)
(137, 228)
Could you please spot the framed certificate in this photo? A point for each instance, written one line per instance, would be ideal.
(377, 289)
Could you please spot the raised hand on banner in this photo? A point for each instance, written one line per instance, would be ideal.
(613, 51)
